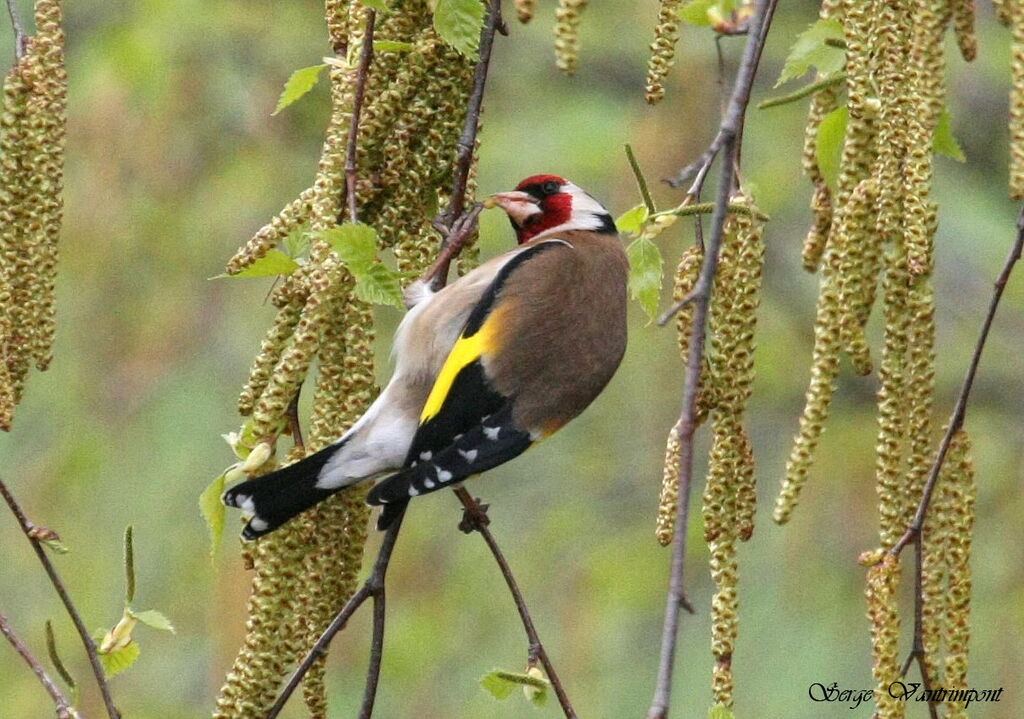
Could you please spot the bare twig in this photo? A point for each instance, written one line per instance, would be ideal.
(19, 30)
(467, 140)
(456, 238)
(362, 73)
(726, 141)
(803, 91)
(373, 588)
(956, 422)
(476, 520)
(294, 425)
(64, 709)
(90, 646)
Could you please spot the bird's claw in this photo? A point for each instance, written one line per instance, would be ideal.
(474, 518)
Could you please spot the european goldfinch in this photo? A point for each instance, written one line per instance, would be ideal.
(484, 369)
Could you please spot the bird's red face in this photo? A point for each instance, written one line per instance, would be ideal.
(543, 205)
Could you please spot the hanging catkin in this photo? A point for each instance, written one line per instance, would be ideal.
(411, 120)
(567, 34)
(32, 139)
(663, 50)
(872, 237)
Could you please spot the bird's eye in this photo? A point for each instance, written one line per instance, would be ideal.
(550, 187)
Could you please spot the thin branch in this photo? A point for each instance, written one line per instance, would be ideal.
(365, 58)
(294, 425)
(467, 140)
(64, 709)
(30, 530)
(956, 422)
(476, 520)
(19, 30)
(726, 141)
(373, 588)
(803, 91)
(641, 181)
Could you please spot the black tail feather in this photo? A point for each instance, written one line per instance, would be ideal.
(276, 497)
(483, 447)
(389, 513)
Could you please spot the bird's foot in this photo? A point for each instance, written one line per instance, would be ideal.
(474, 517)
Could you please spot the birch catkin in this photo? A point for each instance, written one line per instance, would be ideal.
(32, 137)
(413, 114)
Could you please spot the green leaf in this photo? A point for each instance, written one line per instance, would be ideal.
(379, 285)
(154, 620)
(498, 686)
(632, 220)
(810, 50)
(392, 46)
(274, 262)
(118, 660)
(296, 242)
(375, 4)
(213, 512)
(696, 12)
(300, 82)
(645, 267)
(719, 711)
(831, 134)
(944, 143)
(53, 543)
(459, 22)
(355, 243)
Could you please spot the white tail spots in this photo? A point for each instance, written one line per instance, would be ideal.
(428, 483)
(469, 456)
(492, 433)
(426, 455)
(246, 504)
(444, 475)
(413, 491)
(258, 525)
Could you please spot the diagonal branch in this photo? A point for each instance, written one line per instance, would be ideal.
(373, 588)
(447, 222)
(727, 143)
(31, 531)
(477, 521)
(362, 74)
(19, 31)
(956, 423)
(64, 708)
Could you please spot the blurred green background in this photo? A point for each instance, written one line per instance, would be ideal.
(174, 160)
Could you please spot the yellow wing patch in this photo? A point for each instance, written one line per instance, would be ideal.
(466, 351)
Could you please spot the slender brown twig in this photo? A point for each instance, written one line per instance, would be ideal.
(294, 425)
(476, 520)
(373, 588)
(457, 229)
(19, 31)
(29, 529)
(956, 422)
(362, 73)
(726, 141)
(493, 23)
(64, 709)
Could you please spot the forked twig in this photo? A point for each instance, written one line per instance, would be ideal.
(956, 422)
(29, 529)
(63, 706)
(373, 588)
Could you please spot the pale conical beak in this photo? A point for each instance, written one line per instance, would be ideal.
(520, 206)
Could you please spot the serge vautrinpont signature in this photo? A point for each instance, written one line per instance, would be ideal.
(904, 691)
